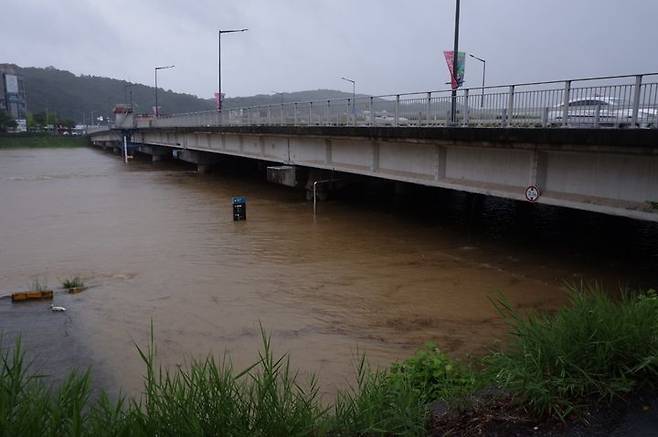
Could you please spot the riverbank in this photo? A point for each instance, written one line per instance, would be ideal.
(41, 140)
(569, 372)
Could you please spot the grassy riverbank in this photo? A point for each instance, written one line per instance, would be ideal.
(554, 368)
(41, 140)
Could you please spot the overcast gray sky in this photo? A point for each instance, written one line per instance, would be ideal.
(387, 46)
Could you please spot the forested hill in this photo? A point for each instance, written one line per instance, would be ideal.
(71, 96)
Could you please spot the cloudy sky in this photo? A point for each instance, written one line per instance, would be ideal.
(385, 45)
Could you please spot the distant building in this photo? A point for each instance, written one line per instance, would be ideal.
(12, 92)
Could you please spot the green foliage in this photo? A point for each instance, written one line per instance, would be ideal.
(595, 349)
(435, 375)
(75, 282)
(28, 408)
(379, 405)
(6, 122)
(266, 399)
(38, 284)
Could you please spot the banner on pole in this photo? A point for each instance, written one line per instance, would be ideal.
(457, 79)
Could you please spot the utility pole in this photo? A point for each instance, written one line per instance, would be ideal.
(219, 64)
(455, 59)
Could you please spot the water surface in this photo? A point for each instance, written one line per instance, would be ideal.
(157, 243)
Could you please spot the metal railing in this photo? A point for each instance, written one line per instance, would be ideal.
(613, 101)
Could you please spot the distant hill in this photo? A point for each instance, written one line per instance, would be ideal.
(71, 96)
(277, 99)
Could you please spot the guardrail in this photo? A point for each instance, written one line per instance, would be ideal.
(629, 101)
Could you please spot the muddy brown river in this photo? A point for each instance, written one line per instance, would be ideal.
(158, 243)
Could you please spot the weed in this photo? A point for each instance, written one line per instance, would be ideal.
(595, 349)
(38, 284)
(74, 282)
(436, 375)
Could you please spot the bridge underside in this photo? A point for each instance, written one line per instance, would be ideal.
(607, 171)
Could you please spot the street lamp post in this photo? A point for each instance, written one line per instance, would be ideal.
(484, 72)
(455, 59)
(353, 82)
(166, 67)
(219, 64)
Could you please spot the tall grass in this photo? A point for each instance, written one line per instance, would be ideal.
(597, 348)
(266, 399)
(379, 405)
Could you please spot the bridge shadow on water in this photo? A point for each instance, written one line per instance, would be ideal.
(626, 248)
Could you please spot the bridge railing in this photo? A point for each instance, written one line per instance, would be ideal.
(613, 101)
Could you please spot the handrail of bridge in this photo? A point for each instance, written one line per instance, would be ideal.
(606, 101)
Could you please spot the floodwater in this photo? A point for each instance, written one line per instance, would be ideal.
(156, 243)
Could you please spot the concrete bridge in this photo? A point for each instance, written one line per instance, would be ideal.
(591, 167)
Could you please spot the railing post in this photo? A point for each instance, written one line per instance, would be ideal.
(597, 115)
(467, 109)
(269, 114)
(429, 108)
(565, 103)
(295, 115)
(310, 113)
(283, 121)
(504, 118)
(397, 110)
(371, 110)
(327, 112)
(544, 116)
(636, 100)
(510, 107)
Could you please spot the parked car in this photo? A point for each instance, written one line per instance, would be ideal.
(600, 112)
(386, 119)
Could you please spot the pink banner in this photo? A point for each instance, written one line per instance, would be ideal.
(456, 80)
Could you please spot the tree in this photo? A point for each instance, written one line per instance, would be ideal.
(39, 119)
(67, 123)
(6, 122)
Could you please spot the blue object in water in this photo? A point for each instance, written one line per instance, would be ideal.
(239, 208)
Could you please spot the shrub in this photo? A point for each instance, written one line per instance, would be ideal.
(435, 375)
(75, 282)
(594, 349)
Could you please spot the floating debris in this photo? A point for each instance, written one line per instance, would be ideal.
(24, 296)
